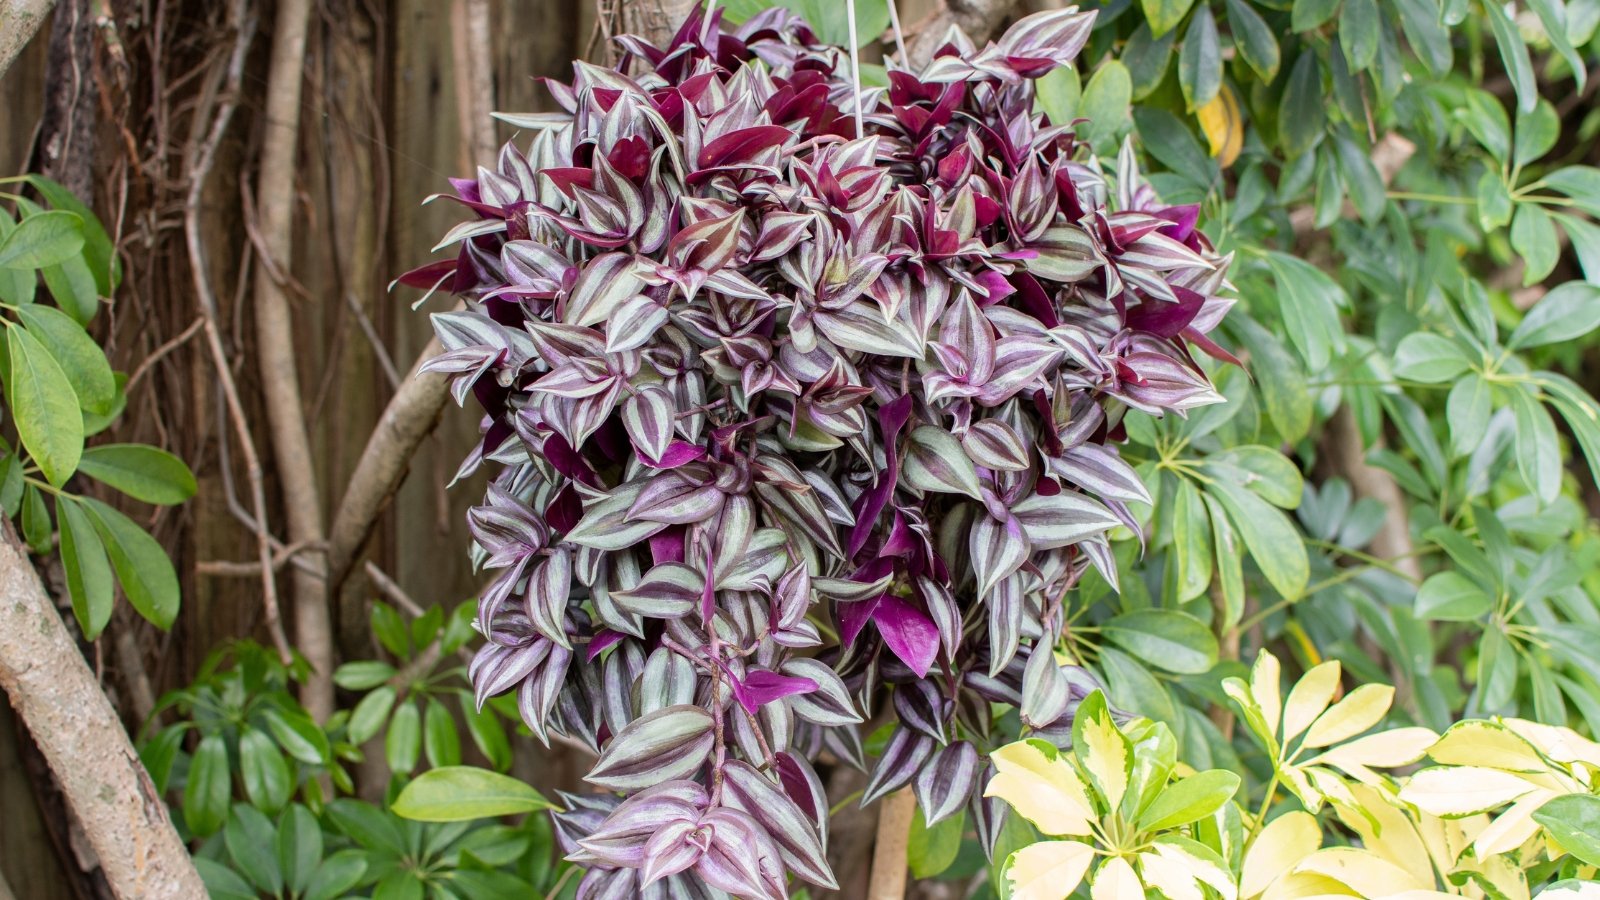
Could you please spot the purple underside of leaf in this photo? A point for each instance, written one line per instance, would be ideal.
(908, 632)
(760, 687)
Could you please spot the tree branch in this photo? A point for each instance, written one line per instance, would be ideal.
(19, 19)
(58, 698)
(889, 854)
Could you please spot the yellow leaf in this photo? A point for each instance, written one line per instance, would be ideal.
(1386, 830)
(1223, 126)
(1045, 791)
(1301, 785)
(1505, 877)
(1285, 841)
(1480, 743)
(1386, 749)
(1192, 857)
(1455, 791)
(1361, 709)
(1265, 678)
(1365, 872)
(1107, 757)
(1511, 828)
(1170, 878)
(1299, 885)
(1309, 698)
(1115, 880)
(1048, 870)
(1560, 744)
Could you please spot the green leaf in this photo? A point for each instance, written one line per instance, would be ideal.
(250, 839)
(362, 675)
(370, 714)
(36, 528)
(298, 735)
(440, 742)
(223, 883)
(267, 780)
(140, 471)
(88, 570)
(1574, 821)
(1274, 542)
(1146, 57)
(17, 286)
(460, 793)
(1164, 15)
(299, 847)
(1105, 102)
(1200, 60)
(1581, 183)
(1497, 671)
(1359, 32)
(1189, 799)
(1536, 133)
(1533, 236)
(1172, 143)
(930, 851)
(1279, 379)
(1467, 412)
(1230, 568)
(1254, 39)
(1513, 55)
(1494, 201)
(205, 795)
(1057, 94)
(11, 483)
(72, 285)
(403, 743)
(1538, 447)
(1553, 16)
(98, 251)
(1452, 597)
(1165, 638)
(1362, 179)
(1486, 119)
(336, 875)
(142, 566)
(42, 239)
(43, 406)
(1567, 313)
(1308, 14)
(1302, 113)
(830, 21)
(1309, 301)
(487, 734)
(1430, 358)
(1191, 542)
(80, 358)
(1426, 34)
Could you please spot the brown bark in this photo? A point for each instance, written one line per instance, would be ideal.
(57, 697)
(19, 19)
(278, 359)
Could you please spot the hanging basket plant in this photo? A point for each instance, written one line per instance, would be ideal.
(802, 400)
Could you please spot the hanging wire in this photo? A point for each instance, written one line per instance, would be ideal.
(899, 36)
(855, 63)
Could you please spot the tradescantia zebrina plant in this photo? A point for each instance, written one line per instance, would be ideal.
(803, 401)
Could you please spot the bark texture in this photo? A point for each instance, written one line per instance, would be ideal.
(19, 19)
(63, 707)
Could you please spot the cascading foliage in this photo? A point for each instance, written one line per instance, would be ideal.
(796, 427)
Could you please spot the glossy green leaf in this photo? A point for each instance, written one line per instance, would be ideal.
(141, 564)
(1536, 133)
(1200, 60)
(1359, 32)
(87, 568)
(43, 406)
(1574, 821)
(1166, 639)
(1302, 114)
(1513, 55)
(1451, 596)
(440, 743)
(299, 847)
(403, 744)
(1273, 541)
(250, 838)
(1533, 236)
(206, 793)
(1254, 39)
(1164, 15)
(1430, 358)
(79, 357)
(267, 779)
(930, 851)
(1308, 14)
(142, 472)
(1189, 799)
(1105, 103)
(1147, 58)
(98, 250)
(459, 793)
(42, 239)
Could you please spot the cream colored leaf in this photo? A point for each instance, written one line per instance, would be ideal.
(1300, 784)
(1200, 862)
(1301, 885)
(1385, 750)
(1511, 828)
(1560, 744)
(1170, 878)
(1045, 791)
(1365, 872)
(1107, 757)
(1310, 696)
(1490, 744)
(1361, 709)
(1505, 877)
(1048, 870)
(1284, 841)
(1115, 880)
(1266, 686)
(1240, 693)
(1386, 830)
(1455, 791)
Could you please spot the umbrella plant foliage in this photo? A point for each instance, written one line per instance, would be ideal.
(802, 402)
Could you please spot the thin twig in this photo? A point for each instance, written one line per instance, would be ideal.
(199, 167)
(161, 351)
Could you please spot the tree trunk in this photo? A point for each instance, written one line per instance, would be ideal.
(59, 700)
(19, 19)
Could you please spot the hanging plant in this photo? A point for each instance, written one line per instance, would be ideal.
(803, 401)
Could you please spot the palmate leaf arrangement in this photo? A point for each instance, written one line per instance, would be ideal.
(803, 401)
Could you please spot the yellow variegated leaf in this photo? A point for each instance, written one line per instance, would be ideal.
(1223, 126)
(1265, 686)
(1300, 784)
(1170, 878)
(1456, 791)
(1048, 870)
(1361, 709)
(1503, 877)
(1115, 880)
(1284, 841)
(1045, 791)
(1254, 716)
(1365, 872)
(1560, 744)
(1309, 698)
(1303, 885)
(1329, 785)
(1106, 756)
(1420, 895)
(1385, 750)
(1490, 744)
(1199, 861)
(1511, 828)
(1386, 830)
